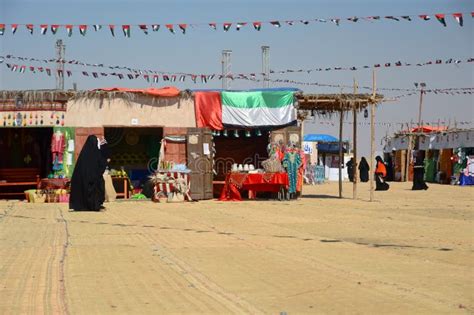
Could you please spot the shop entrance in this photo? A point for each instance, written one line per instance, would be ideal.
(135, 151)
(25, 154)
(26, 148)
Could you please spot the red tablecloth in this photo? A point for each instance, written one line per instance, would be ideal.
(236, 182)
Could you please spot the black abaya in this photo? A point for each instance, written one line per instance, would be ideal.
(419, 176)
(364, 170)
(87, 182)
(350, 169)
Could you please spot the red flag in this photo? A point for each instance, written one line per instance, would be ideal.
(170, 28)
(183, 27)
(458, 18)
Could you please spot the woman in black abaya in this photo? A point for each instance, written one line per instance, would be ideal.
(419, 172)
(87, 182)
(364, 170)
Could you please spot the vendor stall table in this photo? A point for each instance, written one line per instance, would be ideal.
(167, 185)
(267, 182)
(121, 185)
(54, 183)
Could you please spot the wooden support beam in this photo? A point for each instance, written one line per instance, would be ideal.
(354, 141)
(341, 156)
(372, 139)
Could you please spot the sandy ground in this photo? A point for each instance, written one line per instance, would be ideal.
(407, 253)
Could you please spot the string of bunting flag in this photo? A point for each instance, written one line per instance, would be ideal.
(393, 124)
(226, 26)
(251, 75)
(206, 78)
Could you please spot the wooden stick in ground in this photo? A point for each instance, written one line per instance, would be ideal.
(354, 136)
(341, 157)
(372, 138)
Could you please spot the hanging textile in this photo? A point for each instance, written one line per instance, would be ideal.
(208, 109)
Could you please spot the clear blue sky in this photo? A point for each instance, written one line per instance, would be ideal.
(299, 46)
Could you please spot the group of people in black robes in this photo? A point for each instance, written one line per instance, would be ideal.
(384, 172)
(363, 170)
(87, 182)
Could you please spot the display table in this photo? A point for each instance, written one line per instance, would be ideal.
(236, 182)
(121, 185)
(54, 183)
(166, 182)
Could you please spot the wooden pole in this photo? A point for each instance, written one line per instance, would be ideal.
(341, 158)
(354, 136)
(372, 138)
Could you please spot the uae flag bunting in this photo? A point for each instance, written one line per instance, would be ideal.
(44, 28)
(60, 73)
(30, 28)
(193, 78)
(155, 27)
(291, 23)
(240, 25)
(213, 26)
(389, 17)
(13, 68)
(95, 75)
(275, 23)
(441, 19)
(335, 21)
(83, 29)
(97, 27)
(84, 73)
(48, 71)
(182, 78)
(22, 69)
(458, 18)
(112, 29)
(472, 14)
(353, 19)
(170, 28)
(54, 28)
(144, 28)
(304, 22)
(69, 30)
(173, 78)
(227, 26)
(32, 69)
(126, 30)
(425, 17)
(203, 78)
(2, 29)
(406, 17)
(146, 77)
(166, 77)
(257, 26)
(41, 69)
(69, 73)
(155, 78)
(183, 27)
(14, 28)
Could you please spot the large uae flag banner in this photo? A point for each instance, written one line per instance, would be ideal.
(259, 108)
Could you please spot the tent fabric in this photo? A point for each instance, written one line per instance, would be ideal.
(208, 108)
(428, 129)
(255, 109)
(167, 91)
(315, 137)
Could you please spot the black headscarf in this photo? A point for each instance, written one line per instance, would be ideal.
(87, 188)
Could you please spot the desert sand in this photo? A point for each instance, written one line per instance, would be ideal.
(406, 253)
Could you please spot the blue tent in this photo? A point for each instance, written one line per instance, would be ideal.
(318, 137)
